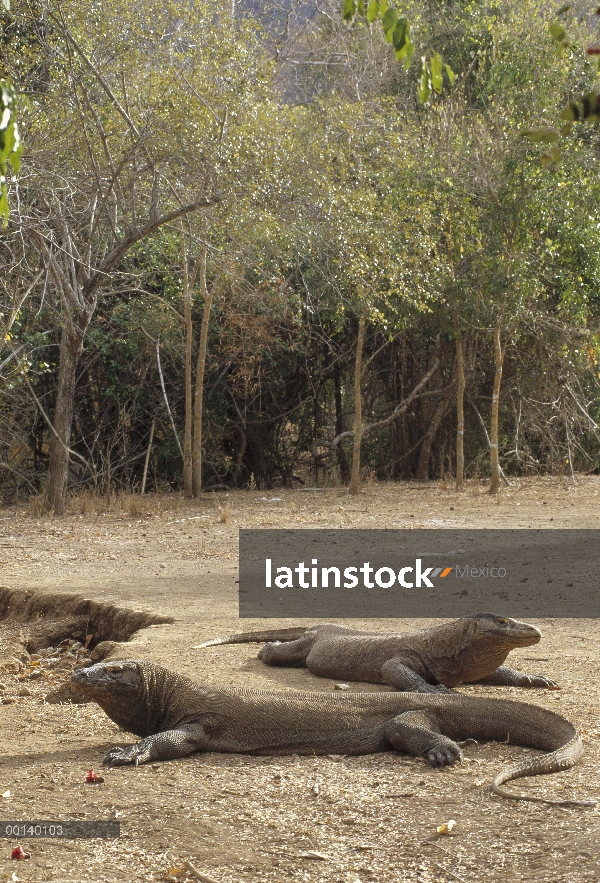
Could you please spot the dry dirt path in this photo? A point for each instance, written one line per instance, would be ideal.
(243, 818)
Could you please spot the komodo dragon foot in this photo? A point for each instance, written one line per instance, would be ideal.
(135, 754)
(162, 746)
(402, 677)
(511, 677)
(445, 755)
(538, 681)
(417, 732)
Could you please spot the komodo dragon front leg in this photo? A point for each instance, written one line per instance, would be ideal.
(162, 746)
(511, 677)
(418, 733)
(399, 674)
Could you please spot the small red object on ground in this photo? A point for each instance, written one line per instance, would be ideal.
(93, 778)
(19, 853)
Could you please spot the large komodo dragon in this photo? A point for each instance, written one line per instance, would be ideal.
(462, 651)
(177, 717)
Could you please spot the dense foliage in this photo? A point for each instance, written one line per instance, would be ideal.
(246, 201)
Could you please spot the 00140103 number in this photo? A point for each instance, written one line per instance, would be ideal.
(65, 829)
(30, 830)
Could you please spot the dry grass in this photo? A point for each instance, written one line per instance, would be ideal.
(368, 478)
(35, 506)
(124, 503)
(89, 502)
(224, 513)
(133, 505)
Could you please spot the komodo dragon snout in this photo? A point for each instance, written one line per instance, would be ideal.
(512, 631)
(177, 717)
(461, 651)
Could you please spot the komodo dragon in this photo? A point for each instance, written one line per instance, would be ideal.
(462, 651)
(177, 717)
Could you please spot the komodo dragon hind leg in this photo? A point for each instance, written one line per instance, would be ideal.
(418, 733)
(511, 677)
(162, 746)
(399, 675)
(292, 653)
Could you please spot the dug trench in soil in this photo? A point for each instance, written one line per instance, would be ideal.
(49, 634)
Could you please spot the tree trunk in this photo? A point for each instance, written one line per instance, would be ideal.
(200, 368)
(460, 407)
(71, 346)
(425, 452)
(355, 476)
(188, 490)
(343, 464)
(147, 460)
(495, 461)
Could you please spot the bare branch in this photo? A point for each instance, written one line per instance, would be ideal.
(134, 235)
(487, 438)
(162, 383)
(87, 464)
(398, 410)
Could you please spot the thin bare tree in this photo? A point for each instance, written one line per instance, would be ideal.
(115, 192)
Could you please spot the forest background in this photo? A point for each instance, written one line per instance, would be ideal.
(254, 244)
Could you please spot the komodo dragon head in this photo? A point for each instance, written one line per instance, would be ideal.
(127, 692)
(473, 647)
(504, 631)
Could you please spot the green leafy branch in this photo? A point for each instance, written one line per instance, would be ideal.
(10, 145)
(585, 108)
(398, 31)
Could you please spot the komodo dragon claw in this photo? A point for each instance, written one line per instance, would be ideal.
(446, 756)
(541, 681)
(135, 754)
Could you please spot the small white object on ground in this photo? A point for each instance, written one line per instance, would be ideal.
(447, 827)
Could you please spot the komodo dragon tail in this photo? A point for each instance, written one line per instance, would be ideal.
(283, 635)
(556, 730)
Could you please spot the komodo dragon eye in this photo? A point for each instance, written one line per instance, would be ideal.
(502, 620)
(115, 668)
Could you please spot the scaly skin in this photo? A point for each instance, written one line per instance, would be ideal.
(462, 651)
(177, 717)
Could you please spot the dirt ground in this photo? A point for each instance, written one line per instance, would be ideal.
(240, 818)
